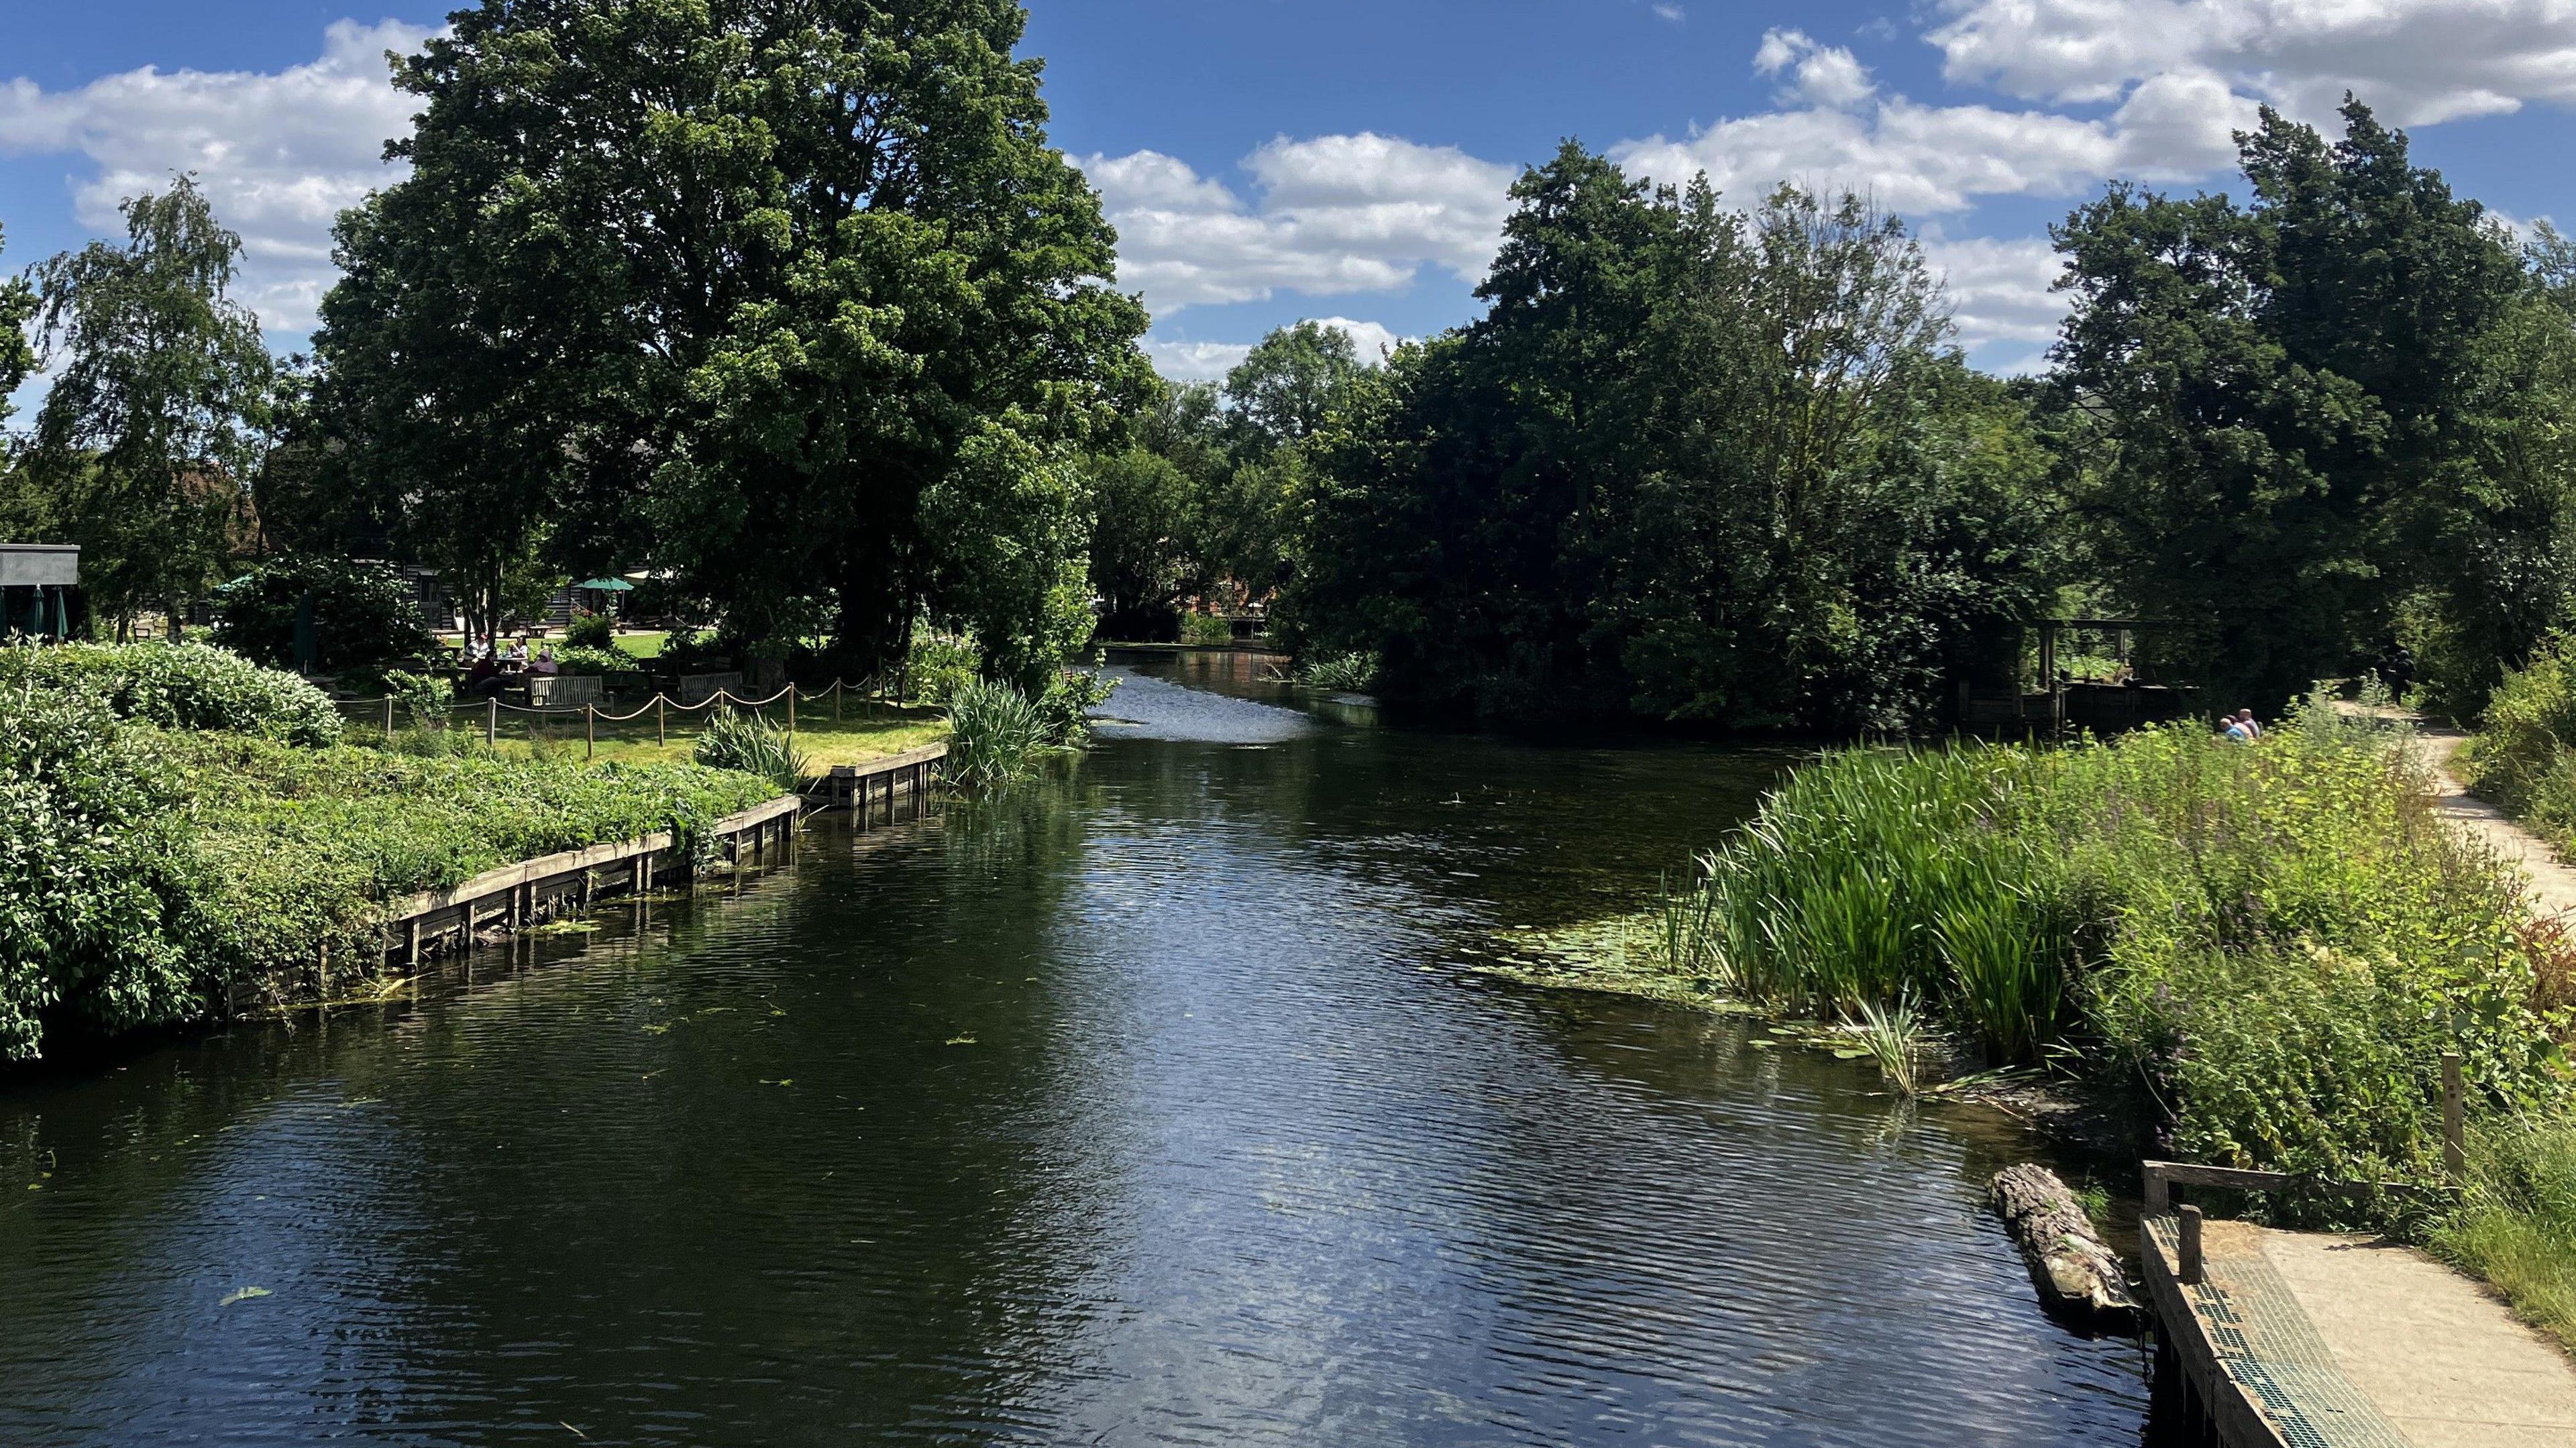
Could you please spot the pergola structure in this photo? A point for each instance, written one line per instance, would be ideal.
(37, 584)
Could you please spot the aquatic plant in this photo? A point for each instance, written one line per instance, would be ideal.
(995, 734)
(741, 740)
(1344, 673)
(1205, 631)
(1893, 1037)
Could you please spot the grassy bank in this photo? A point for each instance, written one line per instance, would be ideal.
(2259, 952)
(151, 872)
(881, 732)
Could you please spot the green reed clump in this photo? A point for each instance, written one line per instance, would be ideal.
(1344, 673)
(2271, 944)
(996, 734)
(1894, 1038)
(738, 739)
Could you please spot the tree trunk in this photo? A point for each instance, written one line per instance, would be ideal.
(2076, 1273)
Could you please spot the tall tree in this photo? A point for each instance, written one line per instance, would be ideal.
(2281, 402)
(22, 514)
(159, 406)
(738, 286)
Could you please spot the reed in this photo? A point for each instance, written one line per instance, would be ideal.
(741, 740)
(996, 734)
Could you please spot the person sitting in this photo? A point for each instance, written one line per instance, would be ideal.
(2253, 726)
(544, 662)
(484, 679)
(2239, 726)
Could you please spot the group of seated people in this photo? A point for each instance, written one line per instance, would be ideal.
(488, 671)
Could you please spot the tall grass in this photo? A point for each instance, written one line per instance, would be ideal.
(2270, 945)
(2517, 1228)
(738, 739)
(996, 734)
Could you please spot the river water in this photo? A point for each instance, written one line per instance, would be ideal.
(1159, 1105)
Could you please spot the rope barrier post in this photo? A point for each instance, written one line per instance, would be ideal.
(492, 723)
(791, 709)
(661, 723)
(389, 718)
(589, 730)
(836, 701)
(2455, 1154)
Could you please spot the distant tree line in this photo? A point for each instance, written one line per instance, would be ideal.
(1698, 464)
(796, 306)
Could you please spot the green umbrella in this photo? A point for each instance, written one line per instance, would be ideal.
(610, 585)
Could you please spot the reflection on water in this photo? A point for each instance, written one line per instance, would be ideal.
(1156, 1106)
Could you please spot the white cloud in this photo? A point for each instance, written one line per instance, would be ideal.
(1332, 216)
(280, 154)
(1836, 133)
(1824, 75)
(1373, 341)
(1196, 361)
(1673, 13)
(1999, 289)
(2416, 61)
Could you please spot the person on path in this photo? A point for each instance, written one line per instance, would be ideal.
(2239, 727)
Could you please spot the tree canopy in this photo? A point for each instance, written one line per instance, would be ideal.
(773, 293)
(159, 405)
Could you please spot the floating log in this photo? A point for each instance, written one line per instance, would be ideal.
(2076, 1273)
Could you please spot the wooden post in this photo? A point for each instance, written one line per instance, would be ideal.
(389, 716)
(2455, 1144)
(661, 727)
(791, 707)
(413, 956)
(2158, 1194)
(2194, 1270)
(836, 701)
(589, 730)
(491, 723)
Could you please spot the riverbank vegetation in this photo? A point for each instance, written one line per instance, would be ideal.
(183, 840)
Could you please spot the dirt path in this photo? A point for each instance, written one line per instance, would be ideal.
(2553, 884)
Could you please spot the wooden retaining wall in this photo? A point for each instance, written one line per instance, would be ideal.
(515, 896)
(864, 786)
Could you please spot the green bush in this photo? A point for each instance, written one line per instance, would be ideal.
(151, 876)
(995, 734)
(1205, 631)
(364, 614)
(592, 631)
(939, 665)
(584, 659)
(2525, 757)
(1345, 673)
(180, 686)
(1065, 708)
(740, 740)
(2277, 940)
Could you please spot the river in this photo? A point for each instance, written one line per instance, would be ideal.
(1160, 1104)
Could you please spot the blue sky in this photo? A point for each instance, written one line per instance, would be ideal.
(1268, 160)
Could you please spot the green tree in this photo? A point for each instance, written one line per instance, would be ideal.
(1690, 464)
(363, 615)
(736, 287)
(2282, 408)
(159, 407)
(1282, 392)
(23, 514)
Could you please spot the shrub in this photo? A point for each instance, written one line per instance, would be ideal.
(1344, 673)
(995, 734)
(364, 615)
(591, 631)
(584, 659)
(1065, 708)
(180, 686)
(2525, 758)
(739, 740)
(150, 876)
(1205, 631)
(425, 698)
(939, 665)
(2278, 940)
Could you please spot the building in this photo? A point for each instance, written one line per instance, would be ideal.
(39, 589)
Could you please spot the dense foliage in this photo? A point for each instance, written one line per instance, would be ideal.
(791, 296)
(179, 686)
(2307, 426)
(158, 407)
(2525, 757)
(151, 876)
(2272, 944)
(363, 616)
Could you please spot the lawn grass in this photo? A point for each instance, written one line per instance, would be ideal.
(879, 732)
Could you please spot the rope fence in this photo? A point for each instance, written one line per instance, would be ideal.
(659, 717)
